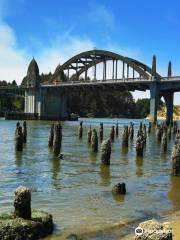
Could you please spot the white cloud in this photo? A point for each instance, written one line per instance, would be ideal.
(13, 61)
(101, 15)
(61, 51)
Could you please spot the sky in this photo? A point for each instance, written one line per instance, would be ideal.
(53, 31)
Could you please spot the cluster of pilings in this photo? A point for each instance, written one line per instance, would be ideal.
(20, 136)
(55, 138)
(176, 153)
(141, 139)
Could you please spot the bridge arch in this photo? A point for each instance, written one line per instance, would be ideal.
(82, 62)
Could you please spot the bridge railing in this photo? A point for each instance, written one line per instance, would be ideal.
(98, 81)
(174, 78)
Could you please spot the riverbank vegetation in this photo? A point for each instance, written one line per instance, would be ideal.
(113, 103)
(10, 102)
(87, 103)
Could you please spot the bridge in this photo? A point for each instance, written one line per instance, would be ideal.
(97, 69)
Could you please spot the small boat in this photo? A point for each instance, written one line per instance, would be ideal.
(73, 117)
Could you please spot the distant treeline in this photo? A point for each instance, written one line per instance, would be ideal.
(10, 102)
(100, 103)
(88, 103)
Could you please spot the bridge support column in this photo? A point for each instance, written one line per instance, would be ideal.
(169, 100)
(54, 104)
(32, 101)
(154, 102)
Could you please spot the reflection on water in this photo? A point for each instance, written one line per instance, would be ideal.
(77, 189)
(105, 174)
(174, 191)
(18, 156)
(139, 166)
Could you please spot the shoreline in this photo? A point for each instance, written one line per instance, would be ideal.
(122, 230)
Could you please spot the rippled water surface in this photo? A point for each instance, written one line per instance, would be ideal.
(77, 189)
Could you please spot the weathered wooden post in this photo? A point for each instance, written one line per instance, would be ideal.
(101, 132)
(119, 188)
(80, 131)
(158, 133)
(144, 134)
(89, 134)
(139, 146)
(19, 138)
(169, 132)
(164, 141)
(149, 127)
(131, 131)
(141, 128)
(106, 152)
(57, 139)
(51, 136)
(17, 126)
(24, 131)
(94, 141)
(112, 133)
(125, 137)
(176, 159)
(175, 127)
(117, 129)
(22, 203)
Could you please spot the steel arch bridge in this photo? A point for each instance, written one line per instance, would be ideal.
(121, 67)
(117, 72)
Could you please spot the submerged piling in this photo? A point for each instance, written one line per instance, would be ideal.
(176, 159)
(119, 188)
(169, 132)
(24, 132)
(94, 141)
(131, 131)
(51, 136)
(158, 133)
(139, 146)
(149, 127)
(106, 152)
(117, 129)
(112, 133)
(19, 138)
(80, 130)
(125, 137)
(22, 203)
(89, 134)
(57, 139)
(164, 141)
(101, 132)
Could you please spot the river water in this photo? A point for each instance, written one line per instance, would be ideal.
(77, 189)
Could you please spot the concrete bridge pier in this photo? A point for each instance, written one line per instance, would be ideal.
(169, 100)
(154, 102)
(47, 103)
(53, 104)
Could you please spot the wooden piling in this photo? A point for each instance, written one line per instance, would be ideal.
(125, 138)
(24, 132)
(89, 134)
(112, 133)
(80, 131)
(106, 152)
(94, 141)
(51, 136)
(19, 139)
(101, 129)
(57, 139)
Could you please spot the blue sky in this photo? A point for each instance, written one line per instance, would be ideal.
(52, 31)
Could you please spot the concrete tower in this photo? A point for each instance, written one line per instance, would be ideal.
(32, 93)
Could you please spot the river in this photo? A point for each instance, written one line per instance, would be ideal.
(77, 189)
